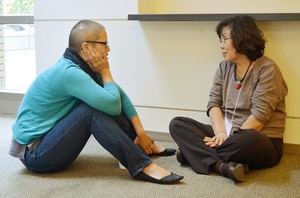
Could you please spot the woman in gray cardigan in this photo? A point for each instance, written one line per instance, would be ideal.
(246, 108)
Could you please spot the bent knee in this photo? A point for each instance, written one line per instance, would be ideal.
(175, 123)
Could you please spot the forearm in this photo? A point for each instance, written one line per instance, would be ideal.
(218, 125)
(137, 125)
(217, 120)
(252, 123)
(142, 139)
(106, 76)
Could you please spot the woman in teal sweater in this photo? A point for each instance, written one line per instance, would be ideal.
(76, 98)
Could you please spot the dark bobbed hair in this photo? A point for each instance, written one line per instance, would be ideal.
(247, 38)
(84, 30)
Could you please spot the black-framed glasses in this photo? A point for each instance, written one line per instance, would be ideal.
(99, 42)
(224, 39)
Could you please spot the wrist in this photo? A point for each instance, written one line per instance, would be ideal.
(104, 72)
(140, 132)
(221, 133)
(106, 76)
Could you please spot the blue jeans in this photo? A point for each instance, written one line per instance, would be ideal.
(63, 143)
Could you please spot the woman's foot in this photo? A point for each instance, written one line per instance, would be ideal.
(236, 172)
(180, 158)
(231, 170)
(156, 171)
(156, 174)
(158, 150)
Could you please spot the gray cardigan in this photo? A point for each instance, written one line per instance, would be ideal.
(262, 94)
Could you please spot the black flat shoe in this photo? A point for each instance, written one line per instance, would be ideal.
(169, 179)
(166, 152)
(180, 158)
(236, 172)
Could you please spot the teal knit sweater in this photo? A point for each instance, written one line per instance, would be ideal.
(56, 91)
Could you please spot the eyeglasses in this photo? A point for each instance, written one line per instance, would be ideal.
(99, 42)
(223, 40)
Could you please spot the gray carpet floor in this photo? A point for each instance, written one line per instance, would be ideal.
(96, 174)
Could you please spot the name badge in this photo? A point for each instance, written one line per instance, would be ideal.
(228, 126)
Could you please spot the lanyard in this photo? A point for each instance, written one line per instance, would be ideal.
(237, 100)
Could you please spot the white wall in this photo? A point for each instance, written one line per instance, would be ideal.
(166, 67)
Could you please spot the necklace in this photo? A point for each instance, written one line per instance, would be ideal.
(238, 83)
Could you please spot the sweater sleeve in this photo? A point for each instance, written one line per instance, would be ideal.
(127, 106)
(215, 95)
(79, 84)
(270, 91)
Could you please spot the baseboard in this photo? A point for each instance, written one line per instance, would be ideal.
(291, 149)
(160, 136)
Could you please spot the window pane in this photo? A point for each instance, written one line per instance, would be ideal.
(17, 60)
(17, 51)
(17, 7)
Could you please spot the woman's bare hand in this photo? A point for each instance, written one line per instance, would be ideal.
(216, 140)
(97, 60)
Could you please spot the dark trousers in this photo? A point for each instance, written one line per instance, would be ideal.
(244, 146)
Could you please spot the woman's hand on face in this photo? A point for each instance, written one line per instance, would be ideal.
(216, 140)
(97, 60)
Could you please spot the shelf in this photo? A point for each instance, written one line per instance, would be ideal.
(213, 17)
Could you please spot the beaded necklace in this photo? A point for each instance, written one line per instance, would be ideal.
(238, 83)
